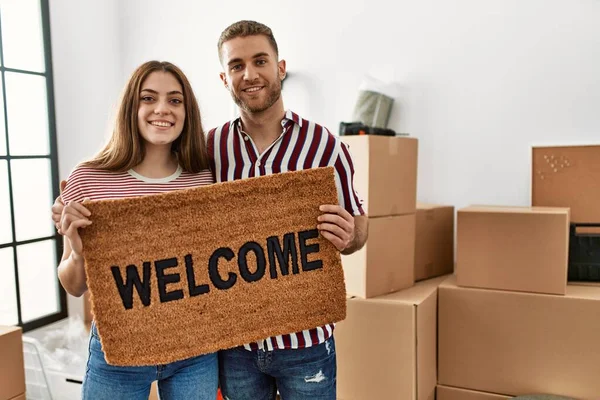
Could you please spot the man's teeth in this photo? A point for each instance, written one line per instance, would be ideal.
(253, 89)
(159, 123)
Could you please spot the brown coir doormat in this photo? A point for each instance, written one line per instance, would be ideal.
(190, 272)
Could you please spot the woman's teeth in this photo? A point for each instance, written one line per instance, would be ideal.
(159, 123)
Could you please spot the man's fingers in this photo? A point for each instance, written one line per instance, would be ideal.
(334, 209)
(336, 241)
(334, 229)
(330, 208)
(335, 235)
(336, 220)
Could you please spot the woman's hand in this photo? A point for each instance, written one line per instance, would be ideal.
(74, 216)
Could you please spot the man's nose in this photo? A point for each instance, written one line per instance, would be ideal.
(250, 73)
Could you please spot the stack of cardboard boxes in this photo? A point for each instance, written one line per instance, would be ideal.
(509, 324)
(12, 369)
(386, 346)
(570, 176)
(385, 175)
(434, 241)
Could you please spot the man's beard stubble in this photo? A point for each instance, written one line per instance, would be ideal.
(274, 93)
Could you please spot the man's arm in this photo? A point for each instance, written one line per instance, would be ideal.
(346, 231)
(361, 234)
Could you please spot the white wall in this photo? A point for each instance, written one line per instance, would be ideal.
(479, 81)
(86, 60)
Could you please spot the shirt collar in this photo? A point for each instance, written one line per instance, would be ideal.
(289, 116)
(292, 116)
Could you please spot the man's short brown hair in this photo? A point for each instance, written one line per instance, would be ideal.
(246, 28)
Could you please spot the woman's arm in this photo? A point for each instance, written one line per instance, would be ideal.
(71, 271)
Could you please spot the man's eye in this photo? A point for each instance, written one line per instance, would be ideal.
(236, 67)
(261, 62)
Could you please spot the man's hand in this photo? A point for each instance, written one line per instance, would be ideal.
(57, 208)
(337, 225)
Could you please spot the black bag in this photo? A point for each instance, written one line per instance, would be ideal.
(584, 253)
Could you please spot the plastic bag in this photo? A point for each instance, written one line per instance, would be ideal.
(374, 103)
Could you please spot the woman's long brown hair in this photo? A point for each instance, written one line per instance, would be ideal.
(125, 149)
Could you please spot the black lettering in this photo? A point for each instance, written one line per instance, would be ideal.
(189, 268)
(283, 257)
(213, 268)
(163, 279)
(133, 279)
(306, 250)
(243, 262)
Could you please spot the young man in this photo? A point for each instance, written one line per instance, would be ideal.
(266, 139)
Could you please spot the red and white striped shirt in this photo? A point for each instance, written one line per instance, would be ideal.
(301, 145)
(98, 184)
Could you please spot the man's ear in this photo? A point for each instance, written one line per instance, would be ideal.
(224, 79)
(281, 69)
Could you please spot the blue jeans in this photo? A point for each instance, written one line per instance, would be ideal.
(194, 378)
(298, 374)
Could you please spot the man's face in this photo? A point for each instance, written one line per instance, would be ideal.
(252, 72)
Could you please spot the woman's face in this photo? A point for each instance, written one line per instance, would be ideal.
(161, 112)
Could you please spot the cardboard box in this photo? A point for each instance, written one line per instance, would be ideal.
(513, 248)
(386, 346)
(567, 176)
(386, 263)
(385, 173)
(12, 368)
(452, 393)
(518, 343)
(19, 397)
(434, 244)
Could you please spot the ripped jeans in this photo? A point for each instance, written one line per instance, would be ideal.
(298, 374)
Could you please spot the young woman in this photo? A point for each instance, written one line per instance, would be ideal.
(157, 145)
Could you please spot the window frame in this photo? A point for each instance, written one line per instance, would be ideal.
(52, 156)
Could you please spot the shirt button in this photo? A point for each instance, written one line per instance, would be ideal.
(258, 163)
(246, 138)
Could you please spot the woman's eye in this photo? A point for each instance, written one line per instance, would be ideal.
(147, 98)
(177, 101)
